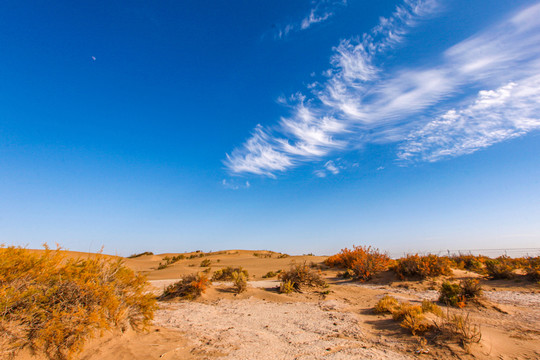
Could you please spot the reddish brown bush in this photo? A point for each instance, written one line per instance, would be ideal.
(364, 261)
(416, 266)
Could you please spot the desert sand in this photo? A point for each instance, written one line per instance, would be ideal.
(333, 323)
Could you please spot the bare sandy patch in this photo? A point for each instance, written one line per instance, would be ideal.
(258, 329)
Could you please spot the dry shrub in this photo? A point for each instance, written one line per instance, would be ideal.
(416, 323)
(459, 294)
(270, 274)
(239, 282)
(469, 262)
(347, 274)
(364, 261)
(299, 276)
(456, 327)
(226, 274)
(416, 266)
(206, 263)
(388, 304)
(410, 316)
(450, 294)
(189, 288)
(140, 254)
(52, 304)
(431, 307)
(286, 287)
(170, 260)
(404, 309)
(262, 255)
(533, 268)
(500, 268)
(471, 289)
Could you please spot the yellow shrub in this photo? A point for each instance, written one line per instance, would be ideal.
(286, 287)
(406, 309)
(416, 323)
(239, 282)
(388, 304)
(226, 274)
(428, 306)
(51, 304)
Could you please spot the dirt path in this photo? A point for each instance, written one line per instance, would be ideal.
(519, 298)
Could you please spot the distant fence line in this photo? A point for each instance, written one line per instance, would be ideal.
(511, 252)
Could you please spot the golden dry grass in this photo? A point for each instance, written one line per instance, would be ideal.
(53, 304)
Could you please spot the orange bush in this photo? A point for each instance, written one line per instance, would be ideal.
(364, 261)
(422, 266)
(51, 304)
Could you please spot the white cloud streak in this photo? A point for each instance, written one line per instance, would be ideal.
(321, 11)
(496, 115)
(361, 103)
(234, 185)
(259, 156)
(314, 18)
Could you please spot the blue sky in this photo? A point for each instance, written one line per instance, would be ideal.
(297, 126)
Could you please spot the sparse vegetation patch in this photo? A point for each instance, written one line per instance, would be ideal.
(226, 274)
(441, 328)
(500, 268)
(300, 276)
(206, 263)
(170, 260)
(271, 274)
(262, 255)
(141, 254)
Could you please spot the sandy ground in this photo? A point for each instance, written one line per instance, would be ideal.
(257, 329)
(340, 324)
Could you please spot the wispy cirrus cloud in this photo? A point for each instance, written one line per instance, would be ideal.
(362, 102)
(330, 167)
(496, 115)
(321, 11)
(234, 185)
(507, 54)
